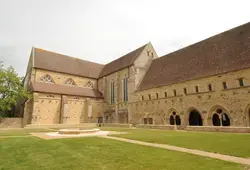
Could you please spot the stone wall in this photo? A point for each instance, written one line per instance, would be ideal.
(10, 122)
(234, 100)
(47, 108)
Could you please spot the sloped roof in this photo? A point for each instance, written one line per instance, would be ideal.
(225, 52)
(65, 89)
(61, 63)
(122, 62)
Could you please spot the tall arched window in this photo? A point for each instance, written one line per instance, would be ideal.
(125, 89)
(47, 79)
(89, 84)
(70, 81)
(112, 92)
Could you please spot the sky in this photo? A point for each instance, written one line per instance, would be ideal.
(104, 30)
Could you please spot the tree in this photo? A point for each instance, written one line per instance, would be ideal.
(11, 89)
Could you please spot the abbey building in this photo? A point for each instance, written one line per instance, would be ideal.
(204, 84)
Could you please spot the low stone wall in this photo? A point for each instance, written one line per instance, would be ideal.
(219, 129)
(61, 126)
(165, 127)
(15, 122)
(116, 125)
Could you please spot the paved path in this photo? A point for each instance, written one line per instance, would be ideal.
(191, 151)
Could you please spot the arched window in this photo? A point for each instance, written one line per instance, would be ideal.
(177, 120)
(89, 84)
(216, 120)
(70, 81)
(220, 117)
(150, 121)
(47, 79)
(171, 120)
(174, 119)
(225, 119)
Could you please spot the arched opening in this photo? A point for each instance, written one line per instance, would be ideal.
(195, 118)
(225, 120)
(216, 120)
(177, 120)
(171, 120)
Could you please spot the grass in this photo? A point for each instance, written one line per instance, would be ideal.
(224, 143)
(97, 153)
(21, 132)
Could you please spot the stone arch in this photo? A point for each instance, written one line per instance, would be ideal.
(193, 117)
(248, 115)
(220, 112)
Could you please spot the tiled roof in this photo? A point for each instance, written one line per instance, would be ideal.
(61, 63)
(225, 52)
(65, 89)
(122, 62)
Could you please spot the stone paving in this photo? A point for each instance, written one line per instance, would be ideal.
(191, 151)
(54, 135)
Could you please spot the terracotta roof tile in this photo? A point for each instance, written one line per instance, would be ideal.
(225, 52)
(122, 62)
(65, 89)
(61, 63)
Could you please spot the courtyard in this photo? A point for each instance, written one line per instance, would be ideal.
(20, 150)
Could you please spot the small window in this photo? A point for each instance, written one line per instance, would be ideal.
(174, 92)
(148, 53)
(224, 85)
(241, 82)
(149, 97)
(142, 97)
(157, 96)
(152, 54)
(145, 121)
(210, 87)
(185, 90)
(166, 94)
(196, 89)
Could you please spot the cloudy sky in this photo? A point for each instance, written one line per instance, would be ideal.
(103, 30)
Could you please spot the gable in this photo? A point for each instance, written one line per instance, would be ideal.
(122, 62)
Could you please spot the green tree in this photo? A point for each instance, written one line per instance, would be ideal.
(11, 89)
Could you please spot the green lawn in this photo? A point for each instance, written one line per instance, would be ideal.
(224, 143)
(97, 153)
(22, 132)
